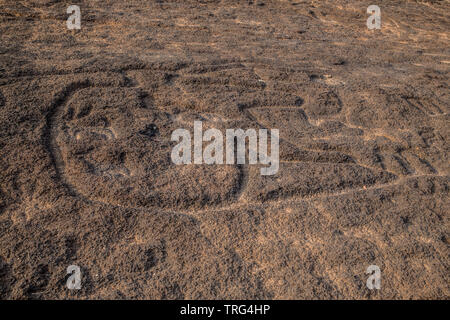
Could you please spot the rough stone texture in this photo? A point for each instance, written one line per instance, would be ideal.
(85, 171)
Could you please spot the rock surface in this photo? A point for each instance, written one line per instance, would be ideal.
(86, 177)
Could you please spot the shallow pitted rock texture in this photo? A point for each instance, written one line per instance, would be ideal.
(86, 176)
